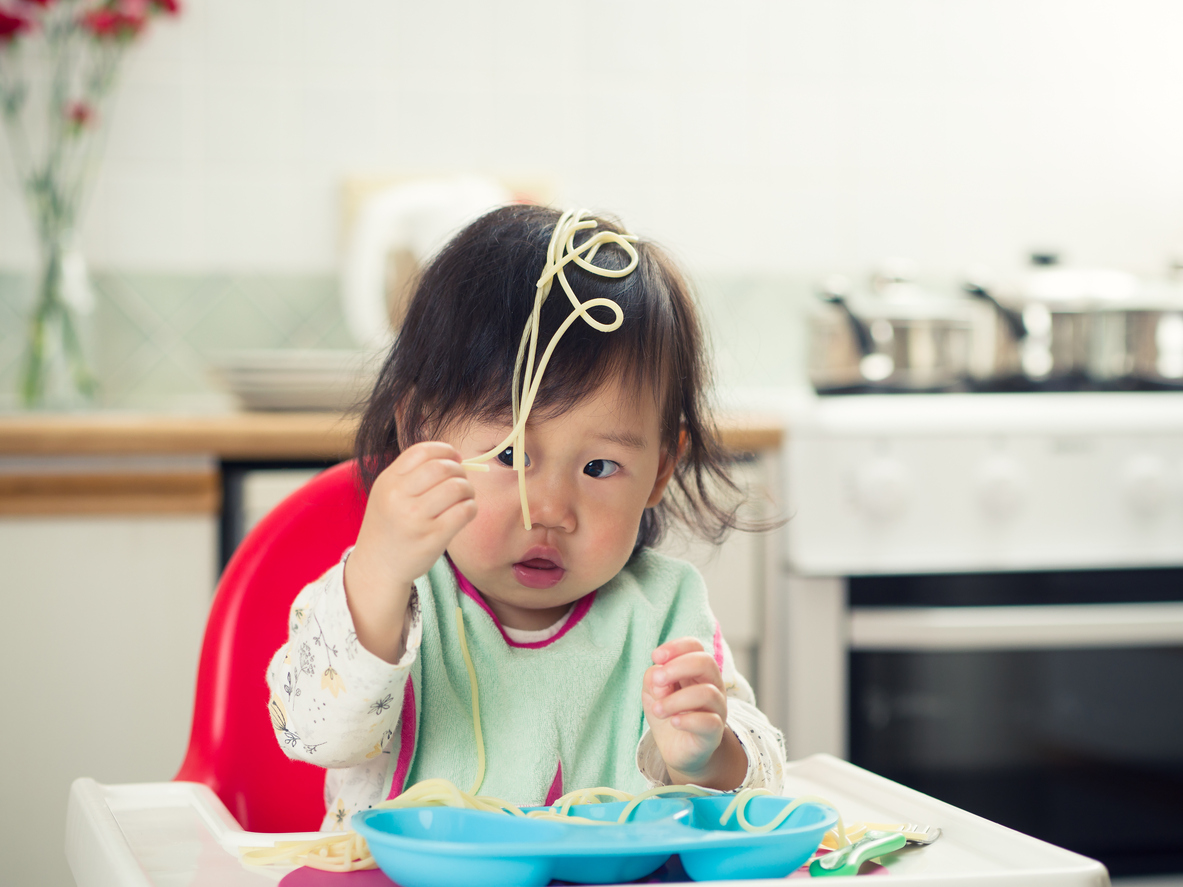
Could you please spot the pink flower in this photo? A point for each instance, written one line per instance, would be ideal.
(12, 26)
(113, 24)
(144, 8)
(80, 114)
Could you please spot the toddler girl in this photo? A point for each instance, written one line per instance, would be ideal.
(502, 621)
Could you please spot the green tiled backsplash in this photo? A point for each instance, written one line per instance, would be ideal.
(151, 336)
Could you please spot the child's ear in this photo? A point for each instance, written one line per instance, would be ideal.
(665, 470)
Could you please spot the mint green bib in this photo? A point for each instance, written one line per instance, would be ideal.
(556, 716)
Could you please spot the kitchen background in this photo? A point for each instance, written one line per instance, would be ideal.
(768, 144)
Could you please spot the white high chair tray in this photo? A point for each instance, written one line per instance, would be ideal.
(179, 833)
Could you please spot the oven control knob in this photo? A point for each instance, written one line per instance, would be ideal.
(1002, 487)
(1144, 483)
(881, 488)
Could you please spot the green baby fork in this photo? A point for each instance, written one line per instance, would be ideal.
(847, 860)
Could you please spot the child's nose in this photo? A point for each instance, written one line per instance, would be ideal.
(552, 501)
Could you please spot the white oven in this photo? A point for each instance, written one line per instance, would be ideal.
(983, 598)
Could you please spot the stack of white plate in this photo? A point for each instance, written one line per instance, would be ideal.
(293, 379)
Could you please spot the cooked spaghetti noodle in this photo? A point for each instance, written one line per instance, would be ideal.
(476, 704)
(561, 252)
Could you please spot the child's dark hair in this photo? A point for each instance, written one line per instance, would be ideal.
(454, 356)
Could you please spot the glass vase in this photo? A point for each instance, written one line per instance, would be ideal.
(56, 373)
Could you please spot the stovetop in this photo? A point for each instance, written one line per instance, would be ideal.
(998, 413)
(1017, 385)
(963, 482)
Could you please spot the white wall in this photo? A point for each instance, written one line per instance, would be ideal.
(754, 135)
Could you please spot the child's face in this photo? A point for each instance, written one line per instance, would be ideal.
(592, 472)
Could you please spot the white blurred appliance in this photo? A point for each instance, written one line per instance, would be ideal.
(983, 599)
(397, 230)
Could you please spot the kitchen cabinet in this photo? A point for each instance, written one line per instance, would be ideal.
(104, 617)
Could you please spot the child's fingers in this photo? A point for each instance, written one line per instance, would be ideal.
(701, 723)
(689, 668)
(414, 456)
(696, 697)
(428, 475)
(650, 687)
(443, 496)
(453, 519)
(672, 649)
(660, 691)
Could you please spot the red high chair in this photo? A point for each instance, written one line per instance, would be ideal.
(232, 746)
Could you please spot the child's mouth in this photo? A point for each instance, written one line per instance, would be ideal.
(538, 572)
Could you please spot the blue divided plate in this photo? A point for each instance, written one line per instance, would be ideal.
(639, 848)
(728, 851)
(438, 846)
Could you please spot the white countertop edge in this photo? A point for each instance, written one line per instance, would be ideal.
(1067, 413)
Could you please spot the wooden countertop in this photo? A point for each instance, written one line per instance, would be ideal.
(143, 463)
(249, 436)
(223, 435)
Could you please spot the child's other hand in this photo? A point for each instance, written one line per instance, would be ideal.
(686, 705)
(417, 504)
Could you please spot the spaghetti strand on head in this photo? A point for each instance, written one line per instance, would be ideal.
(560, 253)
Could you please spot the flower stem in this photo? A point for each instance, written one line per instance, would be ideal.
(51, 316)
(84, 380)
(33, 377)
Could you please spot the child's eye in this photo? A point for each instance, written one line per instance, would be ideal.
(505, 457)
(601, 468)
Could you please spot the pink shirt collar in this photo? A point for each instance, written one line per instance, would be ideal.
(581, 607)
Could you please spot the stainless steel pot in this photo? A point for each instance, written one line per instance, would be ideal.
(1139, 344)
(898, 338)
(1044, 328)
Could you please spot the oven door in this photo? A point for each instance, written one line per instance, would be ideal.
(1061, 720)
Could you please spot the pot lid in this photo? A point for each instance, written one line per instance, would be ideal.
(1066, 290)
(927, 308)
(1152, 295)
(895, 298)
(1055, 285)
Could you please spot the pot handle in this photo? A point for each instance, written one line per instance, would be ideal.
(1010, 316)
(834, 292)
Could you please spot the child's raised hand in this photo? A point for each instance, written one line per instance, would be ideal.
(417, 504)
(686, 706)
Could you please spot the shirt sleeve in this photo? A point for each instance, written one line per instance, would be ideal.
(334, 703)
(762, 742)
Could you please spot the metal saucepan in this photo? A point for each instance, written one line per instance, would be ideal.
(898, 338)
(1043, 330)
(1139, 343)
